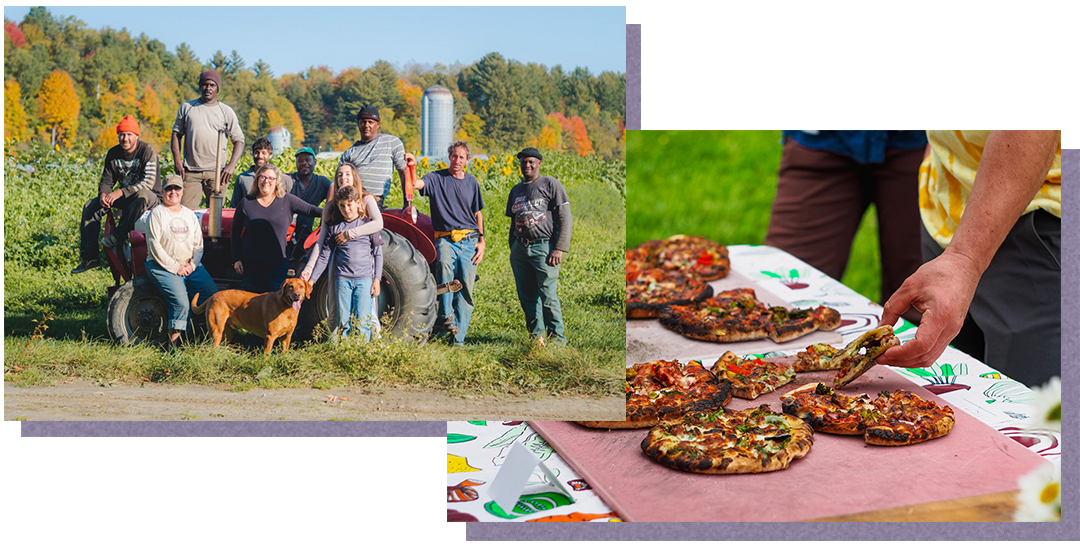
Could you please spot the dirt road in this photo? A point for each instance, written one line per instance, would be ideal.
(84, 400)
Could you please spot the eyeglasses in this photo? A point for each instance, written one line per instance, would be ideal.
(267, 178)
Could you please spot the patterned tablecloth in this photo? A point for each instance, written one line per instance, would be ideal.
(476, 449)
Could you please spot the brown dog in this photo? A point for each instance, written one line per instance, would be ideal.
(271, 315)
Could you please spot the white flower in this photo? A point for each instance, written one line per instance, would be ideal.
(1040, 495)
(1047, 406)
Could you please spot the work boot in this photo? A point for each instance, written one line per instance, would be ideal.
(86, 266)
(446, 324)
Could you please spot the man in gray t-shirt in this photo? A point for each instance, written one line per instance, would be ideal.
(196, 131)
(375, 155)
(539, 235)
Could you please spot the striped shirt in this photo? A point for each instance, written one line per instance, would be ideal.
(133, 172)
(947, 175)
(375, 161)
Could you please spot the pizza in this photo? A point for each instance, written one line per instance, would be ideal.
(906, 419)
(737, 315)
(751, 378)
(862, 354)
(692, 254)
(730, 442)
(666, 390)
(828, 411)
(816, 358)
(896, 418)
(651, 290)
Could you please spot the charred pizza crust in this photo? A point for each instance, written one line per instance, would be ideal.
(666, 390)
(730, 442)
(751, 378)
(649, 291)
(693, 254)
(828, 411)
(862, 354)
(737, 315)
(907, 419)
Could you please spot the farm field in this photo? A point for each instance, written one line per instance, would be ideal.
(55, 339)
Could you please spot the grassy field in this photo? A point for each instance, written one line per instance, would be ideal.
(720, 184)
(54, 322)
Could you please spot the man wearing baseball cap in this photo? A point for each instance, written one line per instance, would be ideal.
(196, 131)
(131, 167)
(539, 235)
(309, 187)
(261, 151)
(375, 155)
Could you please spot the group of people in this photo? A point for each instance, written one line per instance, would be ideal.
(348, 245)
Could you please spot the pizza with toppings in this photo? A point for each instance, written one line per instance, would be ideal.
(666, 390)
(906, 419)
(692, 254)
(649, 291)
(896, 418)
(828, 411)
(862, 354)
(737, 315)
(730, 442)
(751, 378)
(816, 358)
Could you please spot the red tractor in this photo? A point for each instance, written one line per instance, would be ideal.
(137, 312)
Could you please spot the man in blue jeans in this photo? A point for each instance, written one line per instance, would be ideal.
(459, 238)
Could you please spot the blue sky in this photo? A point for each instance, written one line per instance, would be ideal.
(291, 39)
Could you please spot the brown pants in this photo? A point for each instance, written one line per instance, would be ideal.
(821, 198)
(197, 185)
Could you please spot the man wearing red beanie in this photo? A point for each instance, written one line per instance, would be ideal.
(131, 167)
(196, 131)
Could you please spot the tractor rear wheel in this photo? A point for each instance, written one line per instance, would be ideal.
(407, 299)
(137, 313)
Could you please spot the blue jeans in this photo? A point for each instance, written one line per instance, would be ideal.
(353, 303)
(455, 261)
(178, 290)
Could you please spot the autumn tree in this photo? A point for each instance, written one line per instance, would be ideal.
(59, 106)
(16, 128)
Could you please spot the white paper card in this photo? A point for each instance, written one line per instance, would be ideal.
(509, 483)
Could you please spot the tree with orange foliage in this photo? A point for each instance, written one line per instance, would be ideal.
(550, 137)
(16, 127)
(59, 106)
(578, 137)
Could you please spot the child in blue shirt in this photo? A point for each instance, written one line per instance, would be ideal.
(357, 264)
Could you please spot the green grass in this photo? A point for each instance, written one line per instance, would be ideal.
(42, 211)
(720, 185)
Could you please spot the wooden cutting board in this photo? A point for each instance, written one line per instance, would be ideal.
(840, 475)
(648, 340)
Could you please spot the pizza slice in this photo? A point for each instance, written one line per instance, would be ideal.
(905, 418)
(817, 357)
(730, 316)
(694, 254)
(751, 378)
(828, 411)
(666, 390)
(788, 324)
(862, 354)
(648, 292)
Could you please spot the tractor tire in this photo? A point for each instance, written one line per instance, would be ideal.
(407, 297)
(137, 313)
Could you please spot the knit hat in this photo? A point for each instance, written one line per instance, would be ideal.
(210, 75)
(128, 124)
(370, 112)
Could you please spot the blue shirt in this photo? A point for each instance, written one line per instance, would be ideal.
(454, 202)
(862, 146)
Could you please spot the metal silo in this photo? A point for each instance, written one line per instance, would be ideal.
(436, 122)
(280, 139)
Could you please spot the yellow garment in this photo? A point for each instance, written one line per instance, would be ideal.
(947, 175)
(455, 235)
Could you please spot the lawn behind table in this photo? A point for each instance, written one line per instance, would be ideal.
(720, 185)
(55, 322)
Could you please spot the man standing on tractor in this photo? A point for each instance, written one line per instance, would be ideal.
(375, 155)
(261, 151)
(311, 188)
(539, 235)
(459, 237)
(131, 166)
(197, 125)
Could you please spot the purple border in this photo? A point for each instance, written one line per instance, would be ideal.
(633, 77)
(233, 429)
